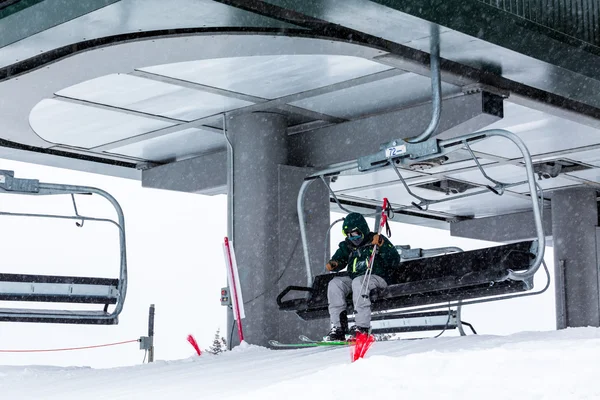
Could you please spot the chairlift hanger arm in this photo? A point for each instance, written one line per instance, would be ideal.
(402, 152)
(10, 184)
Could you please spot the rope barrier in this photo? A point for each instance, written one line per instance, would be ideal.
(69, 348)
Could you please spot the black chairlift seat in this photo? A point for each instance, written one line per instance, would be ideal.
(63, 289)
(427, 281)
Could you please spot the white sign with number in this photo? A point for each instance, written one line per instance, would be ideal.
(395, 151)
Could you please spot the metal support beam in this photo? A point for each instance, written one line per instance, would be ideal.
(576, 238)
(502, 228)
(152, 135)
(105, 107)
(205, 174)
(262, 104)
(195, 86)
(527, 96)
(460, 115)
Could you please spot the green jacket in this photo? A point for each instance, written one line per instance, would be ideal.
(356, 258)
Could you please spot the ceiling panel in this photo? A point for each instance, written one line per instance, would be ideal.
(149, 96)
(591, 157)
(592, 175)
(175, 146)
(82, 126)
(541, 132)
(484, 205)
(386, 94)
(358, 181)
(270, 76)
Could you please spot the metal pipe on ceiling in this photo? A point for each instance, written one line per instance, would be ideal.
(436, 86)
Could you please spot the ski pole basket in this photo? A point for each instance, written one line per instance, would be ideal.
(63, 289)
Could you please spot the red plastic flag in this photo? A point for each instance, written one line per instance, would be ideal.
(194, 344)
(361, 345)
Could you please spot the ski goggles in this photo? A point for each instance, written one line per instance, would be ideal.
(355, 236)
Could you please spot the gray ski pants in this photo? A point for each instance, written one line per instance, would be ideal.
(338, 289)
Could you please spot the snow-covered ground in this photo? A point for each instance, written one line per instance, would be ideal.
(531, 365)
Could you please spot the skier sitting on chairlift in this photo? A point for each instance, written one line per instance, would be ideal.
(354, 252)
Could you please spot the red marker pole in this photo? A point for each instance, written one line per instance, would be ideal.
(194, 344)
(233, 283)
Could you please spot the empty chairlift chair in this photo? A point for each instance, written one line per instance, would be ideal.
(105, 292)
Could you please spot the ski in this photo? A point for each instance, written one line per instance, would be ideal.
(275, 343)
(306, 339)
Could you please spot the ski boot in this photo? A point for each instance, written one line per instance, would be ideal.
(336, 334)
(354, 330)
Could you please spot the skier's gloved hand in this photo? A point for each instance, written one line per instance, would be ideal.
(331, 265)
(377, 240)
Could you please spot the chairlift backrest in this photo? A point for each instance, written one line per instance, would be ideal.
(441, 280)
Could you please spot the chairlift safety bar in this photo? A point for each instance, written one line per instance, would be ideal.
(403, 152)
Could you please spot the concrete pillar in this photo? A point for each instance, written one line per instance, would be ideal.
(266, 235)
(575, 242)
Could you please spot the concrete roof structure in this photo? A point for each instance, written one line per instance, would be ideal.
(134, 88)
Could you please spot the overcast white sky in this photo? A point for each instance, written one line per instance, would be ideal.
(175, 261)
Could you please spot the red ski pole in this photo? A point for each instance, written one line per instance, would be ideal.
(365, 285)
(365, 340)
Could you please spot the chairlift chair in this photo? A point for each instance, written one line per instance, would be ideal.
(63, 289)
(427, 283)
